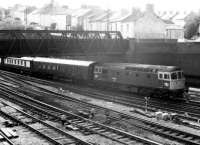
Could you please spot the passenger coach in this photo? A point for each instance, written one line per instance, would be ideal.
(64, 68)
(23, 64)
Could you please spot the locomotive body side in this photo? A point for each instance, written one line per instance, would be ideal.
(140, 78)
(128, 77)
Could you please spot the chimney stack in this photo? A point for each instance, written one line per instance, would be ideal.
(150, 8)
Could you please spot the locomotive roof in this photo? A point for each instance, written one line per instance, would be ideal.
(63, 61)
(142, 67)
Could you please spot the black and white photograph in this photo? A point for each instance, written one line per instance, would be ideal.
(107, 72)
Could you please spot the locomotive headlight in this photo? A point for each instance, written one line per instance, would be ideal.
(166, 84)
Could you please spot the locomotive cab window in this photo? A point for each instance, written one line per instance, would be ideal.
(166, 76)
(177, 75)
(163, 76)
(160, 76)
(174, 76)
(180, 75)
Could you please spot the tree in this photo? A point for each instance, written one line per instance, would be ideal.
(191, 25)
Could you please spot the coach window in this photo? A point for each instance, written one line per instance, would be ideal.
(54, 67)
(136, 74)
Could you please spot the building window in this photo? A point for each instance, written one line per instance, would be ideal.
(121, 27)
(127, 27)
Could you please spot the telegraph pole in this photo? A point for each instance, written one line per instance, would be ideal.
(108, 13)
(25, 16)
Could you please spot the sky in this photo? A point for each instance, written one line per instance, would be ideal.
(170, 5)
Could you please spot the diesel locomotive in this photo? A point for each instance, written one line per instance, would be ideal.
(151, 80)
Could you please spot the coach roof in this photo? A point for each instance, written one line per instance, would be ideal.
(63, 61)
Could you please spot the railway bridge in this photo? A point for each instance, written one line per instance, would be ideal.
(98, 45)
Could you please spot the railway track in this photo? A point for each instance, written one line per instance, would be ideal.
(166, 131)
(85, 125)
(191, 108)
(6, 140)
(51, 133)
